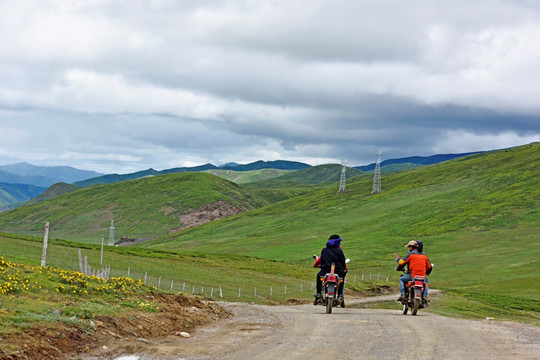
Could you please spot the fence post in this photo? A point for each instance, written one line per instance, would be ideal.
(285, 288)
(86, 271)
(45, 241)
(129, 271)
(220, 292)
(159, 282)
(270, 290)
(102, 241)
(145, 276)
(80, 262)
(172, 282)
(239, 291)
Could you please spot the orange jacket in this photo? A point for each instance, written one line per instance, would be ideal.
(418, 263)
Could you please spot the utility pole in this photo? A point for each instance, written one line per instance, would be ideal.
(45, 243)
(111, 233)
(342, 186)
(377, 174)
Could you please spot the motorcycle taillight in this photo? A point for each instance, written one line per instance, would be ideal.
(418, 283)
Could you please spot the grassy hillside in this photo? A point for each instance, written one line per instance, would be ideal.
(478, 217)
(53, 191)
(12, 195)
(244, 177)
(316, 175)
(141, 208)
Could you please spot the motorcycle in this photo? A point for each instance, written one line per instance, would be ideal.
(414, 295)
(331, 295)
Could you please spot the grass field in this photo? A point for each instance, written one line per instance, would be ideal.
(478, 217)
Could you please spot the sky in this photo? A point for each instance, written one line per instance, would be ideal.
(122, 86)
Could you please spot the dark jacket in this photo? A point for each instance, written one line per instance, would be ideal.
(332, 254)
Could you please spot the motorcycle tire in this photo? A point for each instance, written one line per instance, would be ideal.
(405, 309)
(329, 304)
(416, 305)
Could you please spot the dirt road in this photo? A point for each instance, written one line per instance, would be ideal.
(305, 332)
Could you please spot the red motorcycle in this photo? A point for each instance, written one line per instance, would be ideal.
(414, 295)
(330, 295)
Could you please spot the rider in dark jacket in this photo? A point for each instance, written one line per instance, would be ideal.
(331, 254)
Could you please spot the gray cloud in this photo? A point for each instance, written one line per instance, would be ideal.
(125, 85)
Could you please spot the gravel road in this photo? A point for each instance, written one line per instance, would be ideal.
(306, 332)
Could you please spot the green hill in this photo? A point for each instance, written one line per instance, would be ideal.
(478, 217)
(316, 175)
(11, 195)
(53, 191)
(244, 177)
(140, 208)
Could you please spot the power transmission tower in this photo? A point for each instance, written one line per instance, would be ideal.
(377, 175)
(342, 179)
(111, 233)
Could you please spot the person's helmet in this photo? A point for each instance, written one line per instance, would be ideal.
(412, 243)
(335, 236)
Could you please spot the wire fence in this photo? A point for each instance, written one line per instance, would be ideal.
(91, 262)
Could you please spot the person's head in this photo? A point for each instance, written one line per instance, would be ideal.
(412, 245)
(334, 240)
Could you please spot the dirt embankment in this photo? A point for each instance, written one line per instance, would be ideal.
(69, 340)
(210, 212)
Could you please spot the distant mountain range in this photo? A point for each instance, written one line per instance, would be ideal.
(278, 164)
(415, 160)
(24, 173)
(22, 182)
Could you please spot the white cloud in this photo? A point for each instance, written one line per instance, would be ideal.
(130, 84)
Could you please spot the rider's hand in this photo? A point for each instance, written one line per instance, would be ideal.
(396, 256)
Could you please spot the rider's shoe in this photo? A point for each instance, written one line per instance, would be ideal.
(342, 303)
(317, 300)
(401, 297)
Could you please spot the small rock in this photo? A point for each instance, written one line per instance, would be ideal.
(183, 334)
(104, 347)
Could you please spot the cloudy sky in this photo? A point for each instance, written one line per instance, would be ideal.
(121, 86)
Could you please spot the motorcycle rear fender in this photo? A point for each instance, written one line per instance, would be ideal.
(330, 279)
(331, 289)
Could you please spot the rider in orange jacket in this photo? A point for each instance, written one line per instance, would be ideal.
(418, 264)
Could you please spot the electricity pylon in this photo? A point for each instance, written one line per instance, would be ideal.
(377, 175)
(342, 179)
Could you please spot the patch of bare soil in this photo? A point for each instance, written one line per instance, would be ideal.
(71, 340)
(210, 212)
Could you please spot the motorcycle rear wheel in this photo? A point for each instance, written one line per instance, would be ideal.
(415, 306)
(329, 304)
